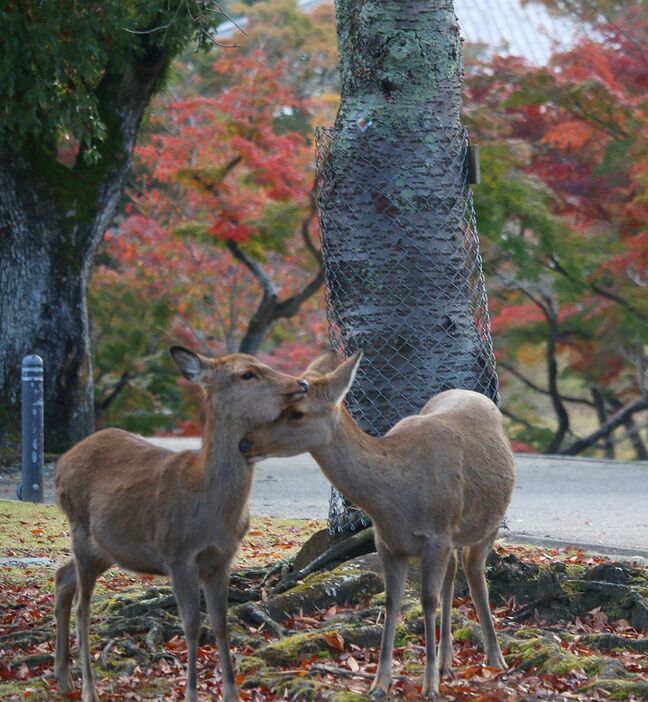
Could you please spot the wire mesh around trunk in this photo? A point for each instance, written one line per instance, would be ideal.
(404, 278)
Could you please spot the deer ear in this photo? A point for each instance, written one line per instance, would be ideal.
(340, 380)
(191, 364)
(323, 364)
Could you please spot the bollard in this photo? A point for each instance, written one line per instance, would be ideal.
(31, 488)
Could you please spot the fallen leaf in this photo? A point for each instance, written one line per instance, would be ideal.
(353, 664)
(334, 640)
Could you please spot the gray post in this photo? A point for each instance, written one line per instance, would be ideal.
(31, 488)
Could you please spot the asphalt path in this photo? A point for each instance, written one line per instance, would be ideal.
(599, 505)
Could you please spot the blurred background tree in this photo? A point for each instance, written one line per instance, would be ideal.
(561, 208)
(75, 79)
(219, 212)
(564, 209)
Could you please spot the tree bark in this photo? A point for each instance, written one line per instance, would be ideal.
(602, 415)
(632, 431)
(562, 416)
(403, 271)
(51, 220)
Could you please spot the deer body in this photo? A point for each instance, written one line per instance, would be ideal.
(173, 486)
(427, 474)
(156, 511)
(436, 482)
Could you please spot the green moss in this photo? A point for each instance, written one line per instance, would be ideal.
(643, 591)
(573, 570)
(33, 530)
(462, 634)
(377, 600)
(621, 689)
(251, 664)
(346, 697)
(155, 688)
(296, 689)
(403, 635)
(412, 611)
(19, 691)
(346, 583)
(600, 665)
(295, 648)
(529, 633)
(559, 662)
(544, 654)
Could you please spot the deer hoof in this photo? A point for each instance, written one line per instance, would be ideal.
(445, 664)
(378, 691)
(497, 661)
(65, 684)
(430, 689)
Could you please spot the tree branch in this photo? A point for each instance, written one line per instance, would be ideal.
(516, 419)
(552, 378)
(554, 265)
(530, 384)
(305, 226)
(601, 413)
(210, 184)
(607, 428)
(632, 432)
(267, 286)
(104, 404)
(270, 309)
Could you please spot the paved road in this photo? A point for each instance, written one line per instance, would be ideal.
(598, 504)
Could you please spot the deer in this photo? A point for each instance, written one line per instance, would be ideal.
(437, 483)
(155, 511)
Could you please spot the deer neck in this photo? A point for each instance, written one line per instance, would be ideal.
(353, 461)
(227, 476)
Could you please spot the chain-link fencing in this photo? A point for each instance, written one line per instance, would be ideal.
(404, 278)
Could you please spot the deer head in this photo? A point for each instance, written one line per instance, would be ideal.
(309, 421)
(239, 385)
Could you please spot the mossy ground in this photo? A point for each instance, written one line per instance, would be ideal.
(332, 620)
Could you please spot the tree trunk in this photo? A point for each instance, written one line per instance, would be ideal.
(632, 431)
(616, 420)
(602, 415)
(43, 311)
(51, 220)
(403, 271)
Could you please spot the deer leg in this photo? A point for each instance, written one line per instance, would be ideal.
(474, 562)
(88, 569)
(186, 587)
(66, 586)
(216, 594)
(447, 593)
(434, 566)
(395, 572)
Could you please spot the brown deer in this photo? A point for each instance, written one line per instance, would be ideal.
(436, 482)
(152, 510)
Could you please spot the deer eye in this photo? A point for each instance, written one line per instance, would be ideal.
(296, 415)
(248, 375)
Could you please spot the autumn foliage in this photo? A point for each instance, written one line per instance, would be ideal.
(565, 213)
(221, 204)
(223, 208)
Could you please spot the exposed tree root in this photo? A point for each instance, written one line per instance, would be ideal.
(538, 632)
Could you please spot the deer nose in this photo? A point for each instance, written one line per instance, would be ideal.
(245, 445)
(303, 384)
